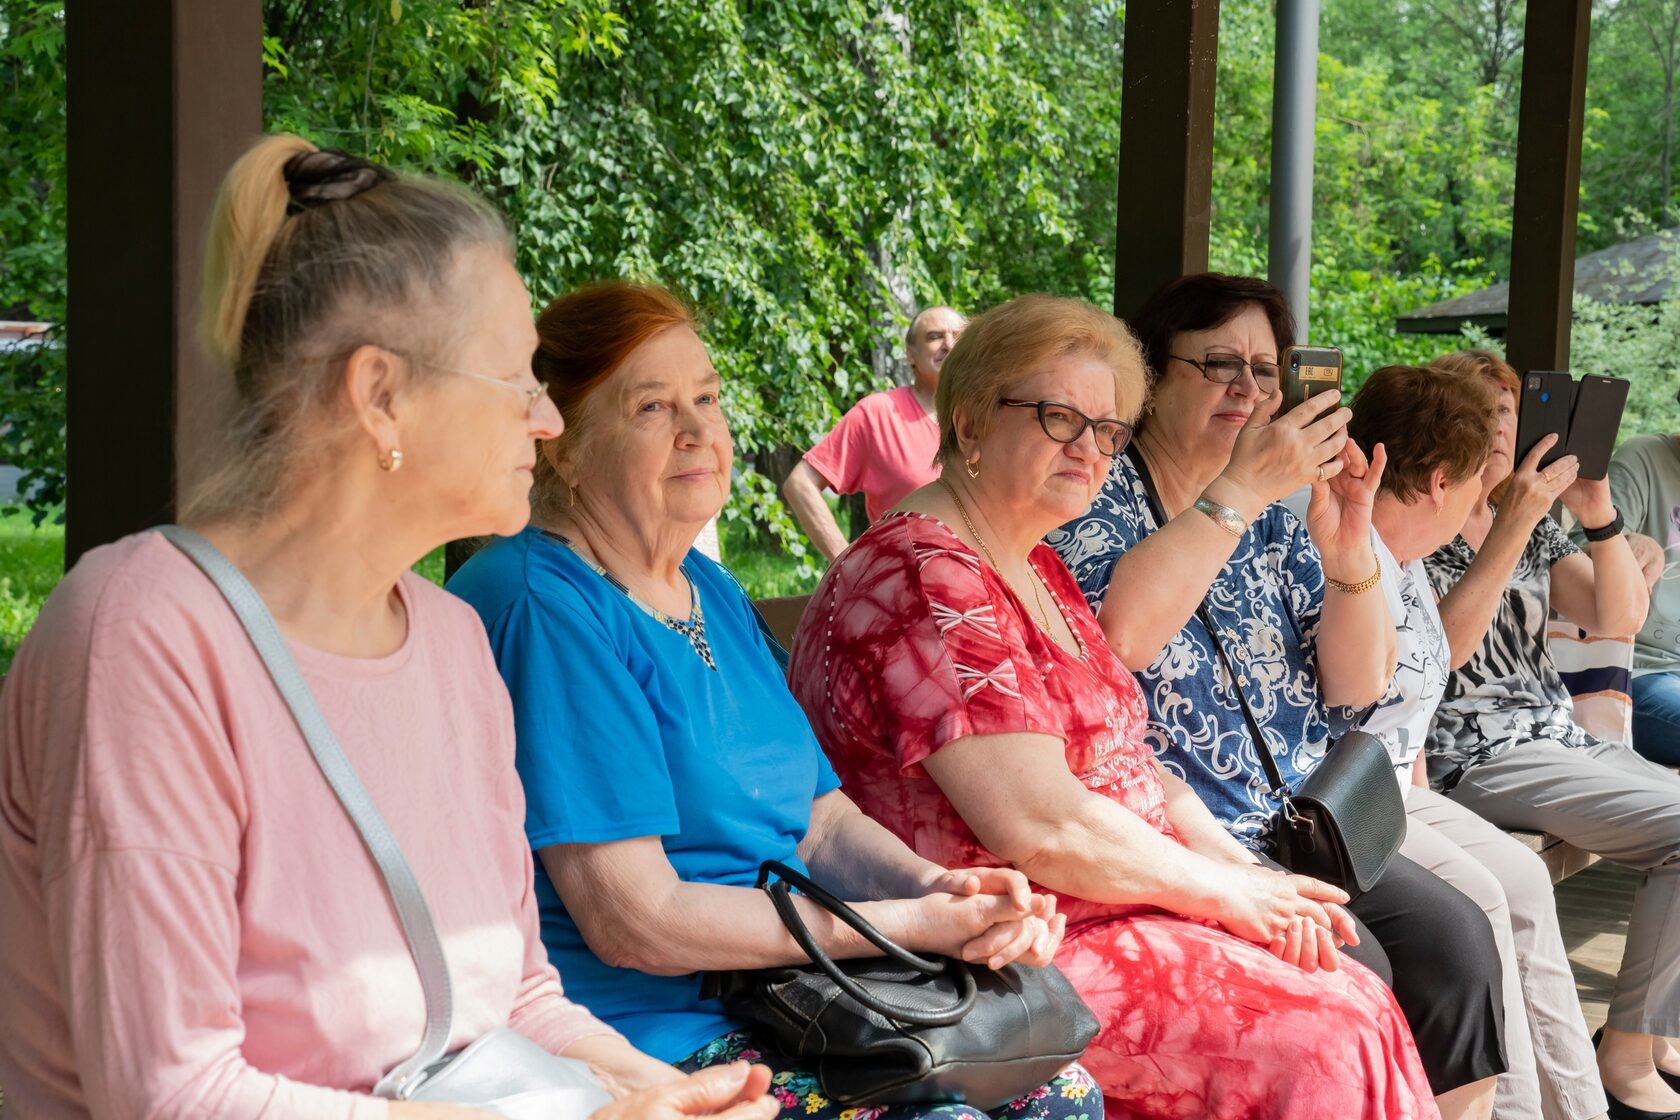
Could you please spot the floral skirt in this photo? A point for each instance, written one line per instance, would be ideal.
(1071, 1096)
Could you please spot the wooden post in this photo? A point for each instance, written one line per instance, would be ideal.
(1550, 120)
(1165, 199)
(163, 96)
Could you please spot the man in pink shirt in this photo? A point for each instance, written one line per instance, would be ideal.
(884, 446)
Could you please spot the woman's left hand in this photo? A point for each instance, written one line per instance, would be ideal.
(1339, 515)
(1589, 500)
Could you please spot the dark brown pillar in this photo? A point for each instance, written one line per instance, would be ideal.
(1166, 145)
(1552, 113)
(162, 97)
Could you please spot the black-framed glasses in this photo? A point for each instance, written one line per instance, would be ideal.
(1222, 369)
(1065, 424)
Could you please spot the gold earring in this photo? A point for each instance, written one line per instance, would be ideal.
(973, 467)
(391, 461)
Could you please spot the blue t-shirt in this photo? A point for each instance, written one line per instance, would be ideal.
(1266, 602)
(623, 731)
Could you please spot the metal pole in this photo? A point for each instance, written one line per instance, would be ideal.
(1294, 111)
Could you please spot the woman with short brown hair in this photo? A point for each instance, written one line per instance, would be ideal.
(1442, 427)
(1505, 743)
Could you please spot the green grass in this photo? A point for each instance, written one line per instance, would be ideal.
(31, 564)
(765, 568)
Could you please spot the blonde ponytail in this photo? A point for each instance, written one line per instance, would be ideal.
(312, 253)
(250, 209)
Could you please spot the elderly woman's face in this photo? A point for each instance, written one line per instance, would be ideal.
(1040, 480)
(1499, 464)
(468, 450)
(1188, 410)
(657, 445)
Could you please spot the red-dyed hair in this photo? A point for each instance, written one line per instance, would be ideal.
(1497, 373)
(583, 337)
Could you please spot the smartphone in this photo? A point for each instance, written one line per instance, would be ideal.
(1593, 422)
(1543, 407)
(1308, 371)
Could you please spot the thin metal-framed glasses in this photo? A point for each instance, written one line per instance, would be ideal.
(531, 393)
(1065, 424)
(1222, 369)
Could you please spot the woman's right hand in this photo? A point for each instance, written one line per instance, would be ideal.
(983, 928)
(1272, 459)
(733, 1092)
(1297, 918)
(1533, 490)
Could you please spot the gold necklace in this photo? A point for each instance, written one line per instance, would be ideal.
(1043, 615)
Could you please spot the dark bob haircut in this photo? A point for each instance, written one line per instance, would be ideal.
(1200, 302)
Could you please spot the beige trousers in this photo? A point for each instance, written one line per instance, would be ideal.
(1553, 1074)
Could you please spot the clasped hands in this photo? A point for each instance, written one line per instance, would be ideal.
(989, 915)
(1299, 920)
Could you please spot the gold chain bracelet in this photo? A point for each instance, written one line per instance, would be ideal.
(1359, 588)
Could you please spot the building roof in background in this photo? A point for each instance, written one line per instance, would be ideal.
(1633, 272)
(14, 334)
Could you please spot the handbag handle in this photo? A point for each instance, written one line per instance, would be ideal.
(781, 897)
(412, 912)
(1274, 777)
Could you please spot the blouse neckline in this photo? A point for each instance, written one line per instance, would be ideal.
(1032, 558)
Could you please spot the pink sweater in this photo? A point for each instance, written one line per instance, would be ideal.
(189, 924)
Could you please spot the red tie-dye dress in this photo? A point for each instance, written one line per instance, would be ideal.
(910, 643)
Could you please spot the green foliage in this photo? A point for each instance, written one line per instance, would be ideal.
(32, 261)
(808, 174)
(31, 562)
(1640, 343)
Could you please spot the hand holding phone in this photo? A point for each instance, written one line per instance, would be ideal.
(1584, 416)
(1308, 371)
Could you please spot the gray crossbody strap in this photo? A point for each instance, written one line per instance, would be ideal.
(412, 911)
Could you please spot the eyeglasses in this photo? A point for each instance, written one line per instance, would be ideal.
(1065, 424)
(532, 393)
(1222, 369)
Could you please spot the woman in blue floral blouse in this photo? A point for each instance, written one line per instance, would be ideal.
(1293, 607)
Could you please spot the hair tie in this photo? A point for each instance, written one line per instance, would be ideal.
(328, 175)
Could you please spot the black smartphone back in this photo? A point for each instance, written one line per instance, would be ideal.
(1543, 407)
(1308, 371)
(1599, 402)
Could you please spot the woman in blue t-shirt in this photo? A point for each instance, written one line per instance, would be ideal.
(662, 755)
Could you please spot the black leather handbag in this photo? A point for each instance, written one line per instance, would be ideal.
(1348, 818)
(903, 1028)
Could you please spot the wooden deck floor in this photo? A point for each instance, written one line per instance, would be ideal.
(1593, 908)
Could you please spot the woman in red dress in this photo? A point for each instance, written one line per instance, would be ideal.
(969, 701)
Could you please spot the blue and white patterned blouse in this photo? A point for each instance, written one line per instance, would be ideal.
(1266, 603)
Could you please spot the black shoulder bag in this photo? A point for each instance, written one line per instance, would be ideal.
(903, 1028)
(1347, 820)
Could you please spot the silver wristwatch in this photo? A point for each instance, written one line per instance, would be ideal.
(1225, 517)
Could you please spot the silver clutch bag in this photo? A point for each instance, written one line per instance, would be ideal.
(501, 1072)
(506, 1073)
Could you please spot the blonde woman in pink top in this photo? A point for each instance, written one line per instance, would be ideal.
(190, 926)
